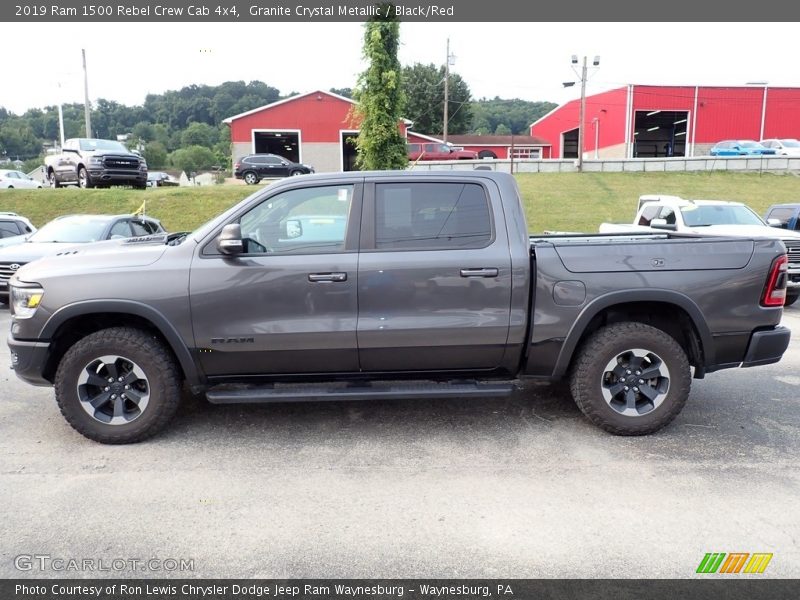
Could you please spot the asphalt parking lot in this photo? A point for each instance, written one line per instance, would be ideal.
(522, 487)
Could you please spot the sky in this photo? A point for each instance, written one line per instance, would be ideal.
(509, 60)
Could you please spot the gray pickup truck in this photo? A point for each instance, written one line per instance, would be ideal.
(390, 285)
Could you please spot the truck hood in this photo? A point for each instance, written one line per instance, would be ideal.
(745, 231)
(62, 259)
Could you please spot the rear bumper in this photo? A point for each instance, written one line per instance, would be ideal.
(28, 359)
(766, 347)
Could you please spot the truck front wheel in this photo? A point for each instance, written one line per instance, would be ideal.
(118, 385)
(630, 378)
(84, 180)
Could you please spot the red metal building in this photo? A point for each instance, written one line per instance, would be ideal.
(314, 128)
(492, 146)
(658, 121)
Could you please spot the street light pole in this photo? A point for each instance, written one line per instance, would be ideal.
(581, 141)
(446, 91)
(583, 76)
(86, 110)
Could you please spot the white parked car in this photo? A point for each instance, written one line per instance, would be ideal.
(17, 180)
(785, 147)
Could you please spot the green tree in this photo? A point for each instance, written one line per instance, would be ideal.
(155, 154)
(192, 159)
(424, 88)
(515, 114)
(502, 129)
(199, 134)
(380, 97)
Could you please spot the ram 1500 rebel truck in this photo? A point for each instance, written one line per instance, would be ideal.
(91, 162)
(390, 285)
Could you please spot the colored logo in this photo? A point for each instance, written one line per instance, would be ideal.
(734, 562)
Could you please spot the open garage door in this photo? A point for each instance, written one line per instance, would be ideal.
(660, 133)
(569, 144)
(282, 143)
(348, 142)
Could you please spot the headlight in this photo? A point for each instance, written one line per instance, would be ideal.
(25, 301)
(95, 160)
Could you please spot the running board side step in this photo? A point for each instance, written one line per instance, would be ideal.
(240, 394)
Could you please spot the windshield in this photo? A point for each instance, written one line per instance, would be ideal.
(719, 214)
(791, 143)
(102, 145)
(77, 230)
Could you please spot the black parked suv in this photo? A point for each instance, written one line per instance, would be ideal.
(255, 167)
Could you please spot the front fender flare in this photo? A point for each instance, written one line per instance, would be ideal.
(193, 374)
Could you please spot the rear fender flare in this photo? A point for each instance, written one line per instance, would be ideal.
(626, 297)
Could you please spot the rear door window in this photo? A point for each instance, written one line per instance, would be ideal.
(431, 216)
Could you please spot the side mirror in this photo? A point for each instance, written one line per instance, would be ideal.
(229, 241)
(284, 163)
(662, 224)
(291, 229)
(774, 222)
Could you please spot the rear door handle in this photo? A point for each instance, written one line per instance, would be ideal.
(488, 272)
(318, 277)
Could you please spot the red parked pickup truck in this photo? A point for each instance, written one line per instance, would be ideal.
(436, 151)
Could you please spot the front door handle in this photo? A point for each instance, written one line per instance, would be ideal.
(318, 277)
(488, 272)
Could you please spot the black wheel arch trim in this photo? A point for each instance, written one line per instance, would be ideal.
(601, 303)
(194, 376)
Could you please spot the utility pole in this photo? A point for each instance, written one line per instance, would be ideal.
(581, 140)
(446, 91)
(583, 77)
(86, 109)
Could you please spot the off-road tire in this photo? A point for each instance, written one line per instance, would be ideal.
(610, 343)
(54, 182)
(147, 353)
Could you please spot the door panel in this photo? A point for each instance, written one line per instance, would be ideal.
(260, 315)
(289, 304)
(431, 309)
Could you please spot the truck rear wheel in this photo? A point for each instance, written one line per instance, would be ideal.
(630, 379)
(118, 386)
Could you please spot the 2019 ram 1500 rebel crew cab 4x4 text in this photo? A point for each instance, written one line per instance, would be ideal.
(390, 285)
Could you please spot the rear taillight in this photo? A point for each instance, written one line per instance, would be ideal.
(236, 166)
(775, 289)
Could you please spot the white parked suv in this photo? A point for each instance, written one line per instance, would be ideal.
(14, 229)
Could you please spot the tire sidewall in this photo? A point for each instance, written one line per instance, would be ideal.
(161, 382)
(652, 340)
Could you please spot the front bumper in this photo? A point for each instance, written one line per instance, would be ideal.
(107, 176)
(28, 359)
(766, 347)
